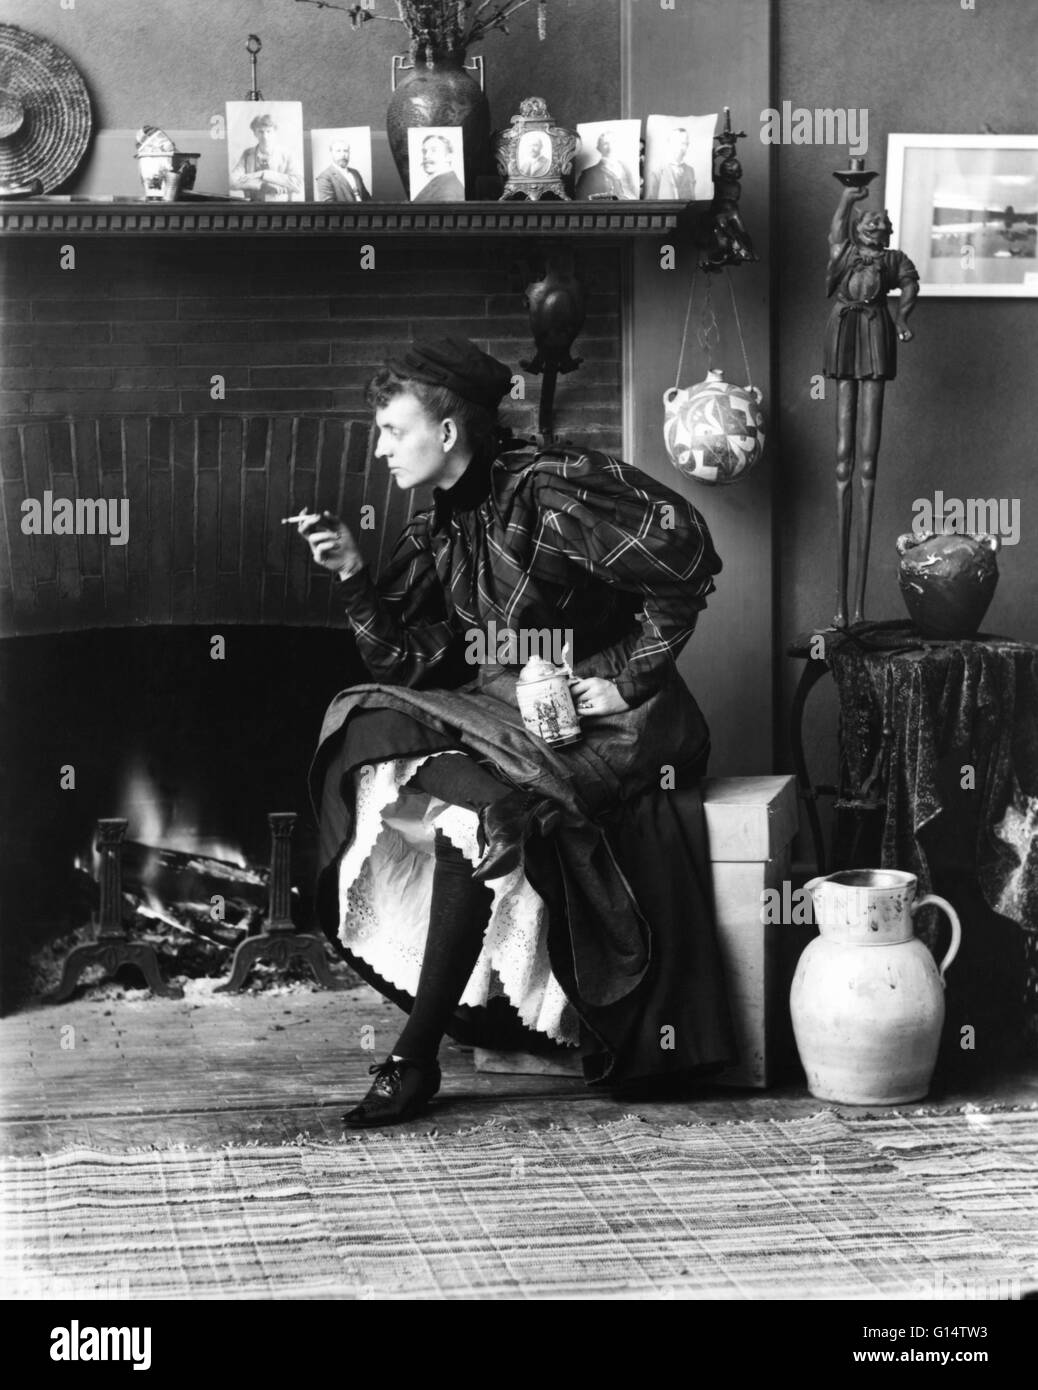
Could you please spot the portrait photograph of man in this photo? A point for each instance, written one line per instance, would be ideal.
(341, 164)
(679, 158)
(606, 162)
(265, 151)
(437, 164)
(533, 154)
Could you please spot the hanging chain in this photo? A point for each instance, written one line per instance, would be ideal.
(688, 316)
(709, 333)
(738, 327)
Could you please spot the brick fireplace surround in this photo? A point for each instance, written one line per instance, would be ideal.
(105, 391)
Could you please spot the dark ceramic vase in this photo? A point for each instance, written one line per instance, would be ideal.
(440, 94)
(947, 581)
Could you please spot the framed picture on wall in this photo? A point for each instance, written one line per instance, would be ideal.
(265, 151)
(965, 209)
(342, 164)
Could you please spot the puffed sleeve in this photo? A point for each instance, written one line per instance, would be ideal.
(904, 269)
(400, 623)
(597, 515)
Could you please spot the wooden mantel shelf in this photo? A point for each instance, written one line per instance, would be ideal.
(196, 217)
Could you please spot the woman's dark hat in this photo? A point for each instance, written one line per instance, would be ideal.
(45, 119)
(458, 365)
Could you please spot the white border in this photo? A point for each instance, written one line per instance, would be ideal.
(896, 147)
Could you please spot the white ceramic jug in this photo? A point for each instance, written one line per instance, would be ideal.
(867, 998)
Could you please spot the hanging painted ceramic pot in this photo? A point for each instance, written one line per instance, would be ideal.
(947, 581)
(867, 999)
(440, 92)
(713, 431)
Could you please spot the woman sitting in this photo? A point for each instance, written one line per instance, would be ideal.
(501, 888)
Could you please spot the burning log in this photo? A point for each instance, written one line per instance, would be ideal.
(198, 919)
(184, 911)
(172, 875)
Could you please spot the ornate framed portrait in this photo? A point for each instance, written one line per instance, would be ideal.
(965, 209)
(534, 155)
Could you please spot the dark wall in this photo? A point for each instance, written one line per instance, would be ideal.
(961, 414)
(701, 58)
(176, 62)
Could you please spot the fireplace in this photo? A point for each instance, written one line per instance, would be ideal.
(176, 676)
(142, 723)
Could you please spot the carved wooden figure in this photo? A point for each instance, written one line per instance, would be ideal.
(861, 355)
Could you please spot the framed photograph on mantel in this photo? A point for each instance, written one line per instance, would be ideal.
(342, 164)
(965, 209)
(679, 158)
(608, 160)
(265, 151)
(436, 159)
(534, 155)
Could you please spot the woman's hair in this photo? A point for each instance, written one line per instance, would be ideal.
(478, 425)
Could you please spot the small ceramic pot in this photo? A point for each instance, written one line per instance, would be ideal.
(947, 581)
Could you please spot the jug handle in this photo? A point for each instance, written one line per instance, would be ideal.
(956, 927)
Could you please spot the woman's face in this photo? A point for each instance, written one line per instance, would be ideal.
(414, 445)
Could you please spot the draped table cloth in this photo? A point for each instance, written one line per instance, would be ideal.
(906, 703)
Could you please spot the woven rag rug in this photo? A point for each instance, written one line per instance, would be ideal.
(915, 1205)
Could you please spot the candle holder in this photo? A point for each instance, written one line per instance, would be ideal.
(113, 947)
(857, 176)
(279, 943)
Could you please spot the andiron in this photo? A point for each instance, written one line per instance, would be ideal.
(113, 947)
(278, 942)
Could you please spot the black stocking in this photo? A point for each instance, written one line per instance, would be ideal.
(458, 918)
(459, 779)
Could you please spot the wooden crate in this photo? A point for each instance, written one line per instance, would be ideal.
(750, 823)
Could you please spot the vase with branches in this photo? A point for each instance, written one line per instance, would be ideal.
(436, 90)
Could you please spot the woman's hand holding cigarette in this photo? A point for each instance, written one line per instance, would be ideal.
(330, 541)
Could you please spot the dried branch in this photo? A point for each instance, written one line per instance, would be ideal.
(440, 26)
(359, 14)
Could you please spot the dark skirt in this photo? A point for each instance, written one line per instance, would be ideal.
(860, 342)
(626, 880)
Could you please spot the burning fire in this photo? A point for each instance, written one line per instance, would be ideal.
(168, 823)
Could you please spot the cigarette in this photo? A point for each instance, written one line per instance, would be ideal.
(301, 516)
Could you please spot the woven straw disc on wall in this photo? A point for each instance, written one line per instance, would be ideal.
(45, 119)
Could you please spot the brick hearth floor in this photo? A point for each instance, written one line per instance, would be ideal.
(117, 1073)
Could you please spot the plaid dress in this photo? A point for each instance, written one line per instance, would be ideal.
(557, 540)
(564, 539)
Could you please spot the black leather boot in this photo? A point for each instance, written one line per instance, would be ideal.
(401, 1090)
(506, 824)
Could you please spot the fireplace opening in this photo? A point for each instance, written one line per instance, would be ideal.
(194, 752)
